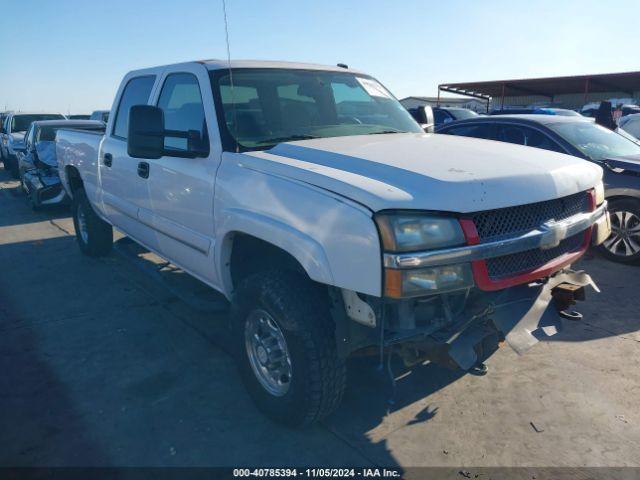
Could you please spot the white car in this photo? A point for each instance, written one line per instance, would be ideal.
(312, 200)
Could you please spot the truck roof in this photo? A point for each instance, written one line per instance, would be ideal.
(217, 64)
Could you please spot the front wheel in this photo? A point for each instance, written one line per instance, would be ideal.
(94, 235)
(623, 245)
(285, 346)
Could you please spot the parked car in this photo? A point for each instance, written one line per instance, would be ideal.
(12, 133)
(3, 115)
(102, 115)
(631, 124)
(619, 157)
(536, 111)
(442, 115)
(312, 200)
(37, 164)
(79, 117)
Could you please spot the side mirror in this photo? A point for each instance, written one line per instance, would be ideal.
(146, 132)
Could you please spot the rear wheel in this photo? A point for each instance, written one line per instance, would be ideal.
(623, 245)
(13, 167)
(94, 235)
(285, 347)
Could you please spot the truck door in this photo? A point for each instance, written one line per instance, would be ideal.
(180, 187)
(123, 190)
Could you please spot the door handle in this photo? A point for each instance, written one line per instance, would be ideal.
(107, 159)
(143, 170)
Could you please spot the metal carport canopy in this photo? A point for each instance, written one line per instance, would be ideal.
(626, 82)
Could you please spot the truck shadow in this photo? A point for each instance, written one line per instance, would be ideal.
(42, 423)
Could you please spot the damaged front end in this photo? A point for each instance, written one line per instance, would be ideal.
(44, 187)
(500, 275)
(460, 330)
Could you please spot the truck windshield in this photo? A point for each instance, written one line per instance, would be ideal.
(268, 106)
(20, 123)
(596, 142)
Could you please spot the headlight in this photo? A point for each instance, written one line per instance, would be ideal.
(408, 231)
(416, 231)
(426, 281)
(599, 194)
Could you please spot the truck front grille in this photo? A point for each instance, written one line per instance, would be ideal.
(494, 224)
(517, 263)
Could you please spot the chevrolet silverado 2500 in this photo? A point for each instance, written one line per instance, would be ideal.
(331, 222)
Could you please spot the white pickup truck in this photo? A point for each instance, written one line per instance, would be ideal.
(332, 223)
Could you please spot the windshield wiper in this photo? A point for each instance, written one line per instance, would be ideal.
(382, 132)
(288, 139)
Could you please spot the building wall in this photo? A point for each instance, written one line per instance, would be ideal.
(471, 104)
(573, 101)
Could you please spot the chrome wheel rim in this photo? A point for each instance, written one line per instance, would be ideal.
(82, 225)
(268, 353)
(625, 234)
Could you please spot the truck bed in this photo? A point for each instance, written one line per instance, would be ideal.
(79, 149)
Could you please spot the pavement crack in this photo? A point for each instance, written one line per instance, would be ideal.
(355, 448)
(59, 227)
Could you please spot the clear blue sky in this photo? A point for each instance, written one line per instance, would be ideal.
(71, 54)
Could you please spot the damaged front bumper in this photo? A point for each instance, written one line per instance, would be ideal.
(523, 315)
(44, 187)
(461, 330)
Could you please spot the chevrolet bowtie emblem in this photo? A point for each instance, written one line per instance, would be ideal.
(553, 234)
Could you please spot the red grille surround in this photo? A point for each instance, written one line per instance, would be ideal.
(481, 272)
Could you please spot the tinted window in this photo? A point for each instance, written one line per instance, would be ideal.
(136, 92)
(594, 141)
(267, 107)
(529, 137)
(20, 123)
(476, 131)
(181, 102)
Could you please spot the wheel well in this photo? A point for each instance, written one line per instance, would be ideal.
(74, 179)
(250, 255)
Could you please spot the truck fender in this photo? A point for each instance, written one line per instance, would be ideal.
(307, 251)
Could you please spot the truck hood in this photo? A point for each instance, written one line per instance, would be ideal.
(630, 162)
(428, 171)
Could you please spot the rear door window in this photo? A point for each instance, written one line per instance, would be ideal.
(136, 92)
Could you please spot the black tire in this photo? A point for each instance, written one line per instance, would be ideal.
(32, 200)
(13, 168)
(623, 246)
(300, 309)
(98, 240)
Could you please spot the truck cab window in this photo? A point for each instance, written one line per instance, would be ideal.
(136, 92)
(181, 102)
